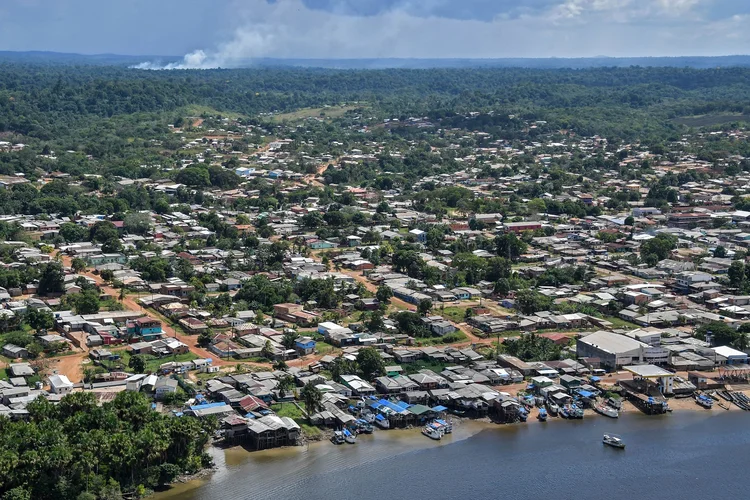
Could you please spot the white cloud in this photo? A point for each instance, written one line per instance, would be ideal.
(572, 28)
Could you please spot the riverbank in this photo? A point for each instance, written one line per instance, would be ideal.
(476, 449)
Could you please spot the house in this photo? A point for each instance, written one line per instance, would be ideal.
(322, 244)
(145, 327)
(368, 304)
(59, 384)
(419, 235)
(13, 351)
(21, 370)
(358, 386)
(164, 386)
(519, 227)
(304, 346)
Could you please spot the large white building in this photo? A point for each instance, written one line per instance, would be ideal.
(612, 349)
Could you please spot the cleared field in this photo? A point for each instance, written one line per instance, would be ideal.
(330, 112)
(708, 120)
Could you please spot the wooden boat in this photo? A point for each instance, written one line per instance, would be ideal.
(613, 441)
(565, 412)
(607, 411)
(615, 403)
(704, 401)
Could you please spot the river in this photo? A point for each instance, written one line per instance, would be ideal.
(682, 456)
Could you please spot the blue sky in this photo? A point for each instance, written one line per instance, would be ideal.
(216, 32)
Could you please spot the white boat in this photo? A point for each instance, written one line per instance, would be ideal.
(382, 422)
(350, 437)
(613, 441)
(432, 432)
(607, 411)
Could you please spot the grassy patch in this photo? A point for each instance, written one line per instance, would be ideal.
(410, 368)
(301, 114)
(453, 313)
(152, 362)
(455, 337)
(620, 323)
(714, 119)
(292, 411)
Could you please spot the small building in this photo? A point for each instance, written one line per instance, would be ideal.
(13, 351)
(304, 346)
(164, 386)
(145, 327)
(59, 384)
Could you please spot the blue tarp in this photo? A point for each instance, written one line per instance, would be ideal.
(439, 408)
(585, 394)
(207, 405)
(595, 379)
(379, 417)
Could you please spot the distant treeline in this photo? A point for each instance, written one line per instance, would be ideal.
(47, 101)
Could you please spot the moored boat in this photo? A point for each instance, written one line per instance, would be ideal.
(565, 412)
(382, 422)
(447, 426)
(338, 437)
(349, 436)
(613, 441)
(553, 408)
(704, 401)
(432, 432)
(542, 415)
(606, 410)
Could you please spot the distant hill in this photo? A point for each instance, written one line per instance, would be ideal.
(57, 58)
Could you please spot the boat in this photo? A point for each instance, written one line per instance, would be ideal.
(606, 410)
(565, 412)
(542, 415)
(349, 436)
(364, 427)
(553, 408)
(704, 401)
(368, 416)
(613, 441)
(432, 432)
(338, 438)
(523, 414)
(576, 411)
(615, 403)
(382, 422)
(447, 427)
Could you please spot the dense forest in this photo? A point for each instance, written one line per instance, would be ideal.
(79, 450)
(51, 101)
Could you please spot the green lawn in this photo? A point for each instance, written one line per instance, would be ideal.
(153, 362)
(410, 368)
(457, 336)
(453, 313)
(290, 410)
(301, 114)
(620, 323)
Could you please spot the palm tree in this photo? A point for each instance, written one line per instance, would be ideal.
(313, 398)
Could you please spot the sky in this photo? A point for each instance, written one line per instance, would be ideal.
(212, 33)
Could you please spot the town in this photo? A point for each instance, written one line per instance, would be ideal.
(338, 271)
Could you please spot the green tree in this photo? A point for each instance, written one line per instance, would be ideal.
(78, 265)
(51, 279)
(384, 294)
(530, 301)
(205, 338)
(137, 363)
(289, 339)
(370, 363)
(267, 351)
(720, 252)
(313, 399)
(39, 319)
(424, 307)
